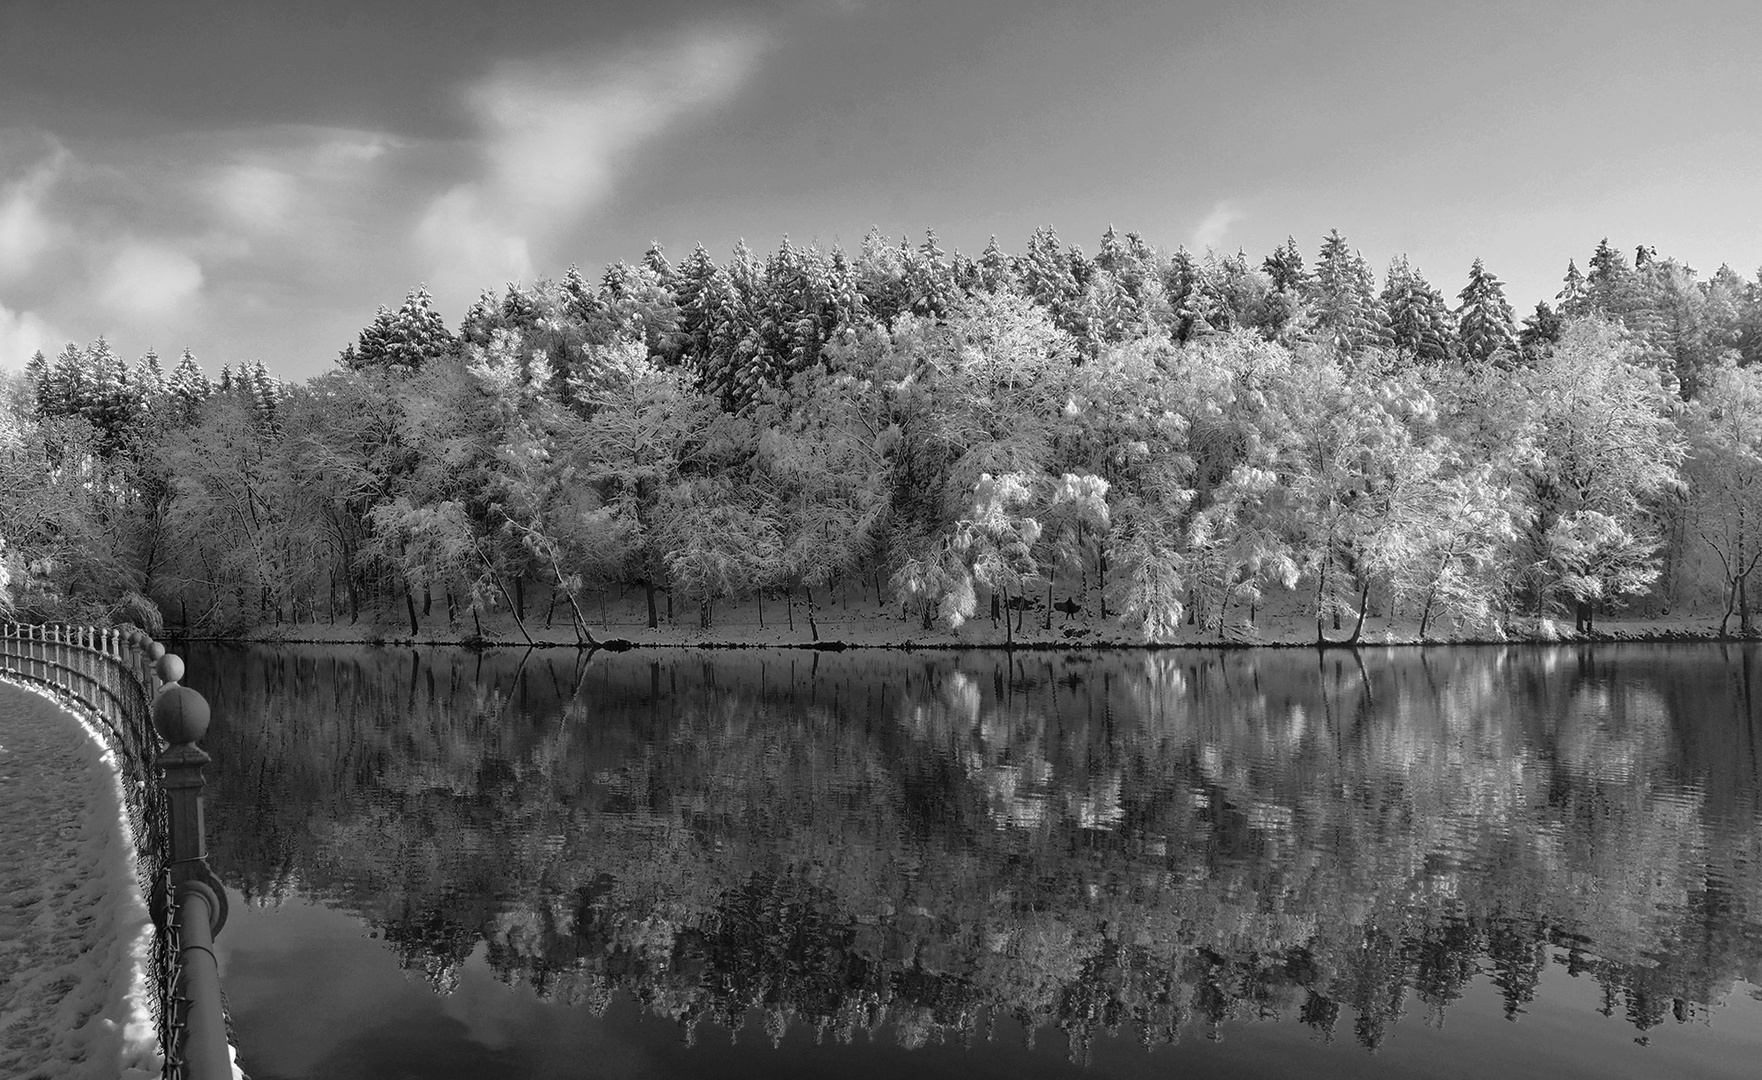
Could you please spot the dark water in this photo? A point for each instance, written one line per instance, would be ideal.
(1456, 862)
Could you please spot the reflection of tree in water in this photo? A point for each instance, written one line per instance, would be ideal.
(1147, 842)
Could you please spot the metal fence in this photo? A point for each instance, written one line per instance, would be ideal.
(126, 681)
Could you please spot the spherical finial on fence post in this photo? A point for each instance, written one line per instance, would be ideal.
(170, 668)
(155, 650)
(180, 715)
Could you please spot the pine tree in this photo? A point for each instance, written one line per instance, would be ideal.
(150, 378)
(1344, 308)
(880, 276)
(996, 270)
(1285, 267)
(1419, 320)
(1183, 289)
(1540, 331)
(187, 389)
(1484, 319)
(1574, 294)
(403, 340)
(111, 403)
(64, 392)
(1609, 284)
(36, 374)
(929, 279)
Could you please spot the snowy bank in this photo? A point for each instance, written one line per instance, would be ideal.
(75, 937)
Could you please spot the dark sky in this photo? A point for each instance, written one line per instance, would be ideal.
(251, 181)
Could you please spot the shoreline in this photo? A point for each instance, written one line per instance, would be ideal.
(841, 635)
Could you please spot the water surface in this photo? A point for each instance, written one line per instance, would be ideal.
(1442, 862)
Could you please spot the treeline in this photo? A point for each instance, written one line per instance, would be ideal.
(1170, 438)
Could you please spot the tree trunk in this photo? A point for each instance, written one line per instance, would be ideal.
(551, 611)
(789, 606)
(1048, 621)
(1363, 606)
(1744, 625)
(520, 599)
(761, 597)
(994, 609)
(649, 587)
(1101, 580)
(1009, 634)
(813, 624)
(410, 604)
(427, 598)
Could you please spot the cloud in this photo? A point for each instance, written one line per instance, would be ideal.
(23, 333)
(1210, 232)
(26, 232)
(147, 279)
(557, 133)
(257, 196)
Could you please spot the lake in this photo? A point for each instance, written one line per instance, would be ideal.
(1443, 862)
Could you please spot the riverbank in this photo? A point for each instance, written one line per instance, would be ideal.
(860, 622)
(74, 933)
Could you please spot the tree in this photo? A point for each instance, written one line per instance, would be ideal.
(402, 340)
(1725, 474)
(187, 389)
(1419, 322)
(1541, 329)
(1483, 320)
(1607, 448)
(823, 464)
(1344, 308)
(995, 541)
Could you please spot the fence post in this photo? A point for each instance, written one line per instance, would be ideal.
(180, 716)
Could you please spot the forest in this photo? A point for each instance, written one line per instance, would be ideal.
(1158, 440)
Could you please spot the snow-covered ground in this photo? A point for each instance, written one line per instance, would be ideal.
(75, 938)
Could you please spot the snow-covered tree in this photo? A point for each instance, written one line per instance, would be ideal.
(1484, 327)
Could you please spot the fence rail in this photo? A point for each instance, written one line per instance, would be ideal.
(129, 684)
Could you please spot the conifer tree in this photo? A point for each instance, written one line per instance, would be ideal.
(149, 378)
(1484, 321)
(880, 277)
(996, 270)
(1574, 295)
(111, 403)
(1541, 329)
(36, 374)
(929, 279)
(65, 391)
(187, 389)
(1285, 267)
(1344, 309)
(403, 340)
(1419, 320)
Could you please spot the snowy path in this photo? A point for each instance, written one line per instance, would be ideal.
(74, 932)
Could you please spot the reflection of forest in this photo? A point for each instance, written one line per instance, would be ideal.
(1141, 841)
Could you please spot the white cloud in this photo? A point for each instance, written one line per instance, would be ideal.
(145, 279)
(23, 333)
(556, 135)
(258, 196)
(25, 232)
(478, 245)
(1210, 232)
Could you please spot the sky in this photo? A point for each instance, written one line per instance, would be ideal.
(252, 181)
